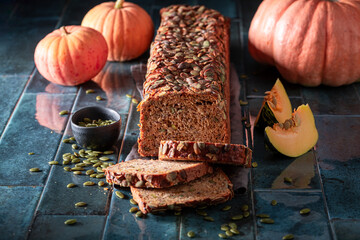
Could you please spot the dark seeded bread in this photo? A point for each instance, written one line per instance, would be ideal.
(220, 153)
(186, 91)
(154, 173)
(209, 190)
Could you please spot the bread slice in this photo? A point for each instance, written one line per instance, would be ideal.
(235, 154)
(155, 173)
(209, 190)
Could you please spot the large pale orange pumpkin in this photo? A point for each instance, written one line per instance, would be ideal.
(127, 28)
(311, 42)
(71, 55)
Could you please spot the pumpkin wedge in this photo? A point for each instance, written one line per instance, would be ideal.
(275, 108)
(296, 135)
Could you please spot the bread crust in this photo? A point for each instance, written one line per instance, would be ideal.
(187, 87)
(154, 200)
(219, 153)
(154, 173)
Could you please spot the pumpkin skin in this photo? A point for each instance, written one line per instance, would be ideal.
(127, 28)
(71, 55)
(311, 42)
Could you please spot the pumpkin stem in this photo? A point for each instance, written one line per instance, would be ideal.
(63, 31)
(119, 4)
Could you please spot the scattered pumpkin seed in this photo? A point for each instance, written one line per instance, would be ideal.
(134, 100)
(99, 98)
(246, 214)
(229, 233)
(139, 214)
(31, 153)
(101, 183)
(262, 215)
(80, 204)
(53, 162)
(63, 112)
(68, 169)
(93, 175)
(273, 202)
(234, 231)
(120, 194)
(267, 220)
(104, 158)
(133, 209)
(90, 91)
(208, 218)
(190, 234)
(254, 164)
(288, 180)
(100, 175)
(243, 103)
(133, 202)
(80, 165)
(224, 227)
(177, 213)
(226, 208)
(201, 212)
(35, 169)
(222, 235)
(305, 211)
(233, 225)
(245, 207)
(75, 160)
(89, 172)
(288, 237)
(74, 146)
(128, 96)
(89, 183)
(66, 162)
(77, 169)
(71, 185)
(77, 172)
(70, 221)
(237, 217)
(99, 169)
(108, 152)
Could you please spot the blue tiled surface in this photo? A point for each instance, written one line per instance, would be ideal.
(325, 179)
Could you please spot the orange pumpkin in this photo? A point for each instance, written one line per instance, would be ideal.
(311, 42)
(127, 28)
(71, 55)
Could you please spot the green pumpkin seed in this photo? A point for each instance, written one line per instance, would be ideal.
(222, 235)
(224, 227)
(31, 153)
(177, 213)
(66, 155)
(89, 183)
(97, 164)
(288, 237)
(246, 214)
(108, 152)
(254, 164)
(133, 209)
(90, 91)
(53, 162)
(229, 233)
(93, 175)
(305, 211)
(190, 234)
(99, 169)
(101, 183)
(66, 162)
(234, 231)
(68, 169)
(133, 202)
(202, 207)
(134, 100)
(104, 158)
(245, 207)
(80, 165)
(262, 215)
(237, 217)
(89, 172)
(75, 160)
(77, 169)
(77, 172)
(233, 225)
(288, 180)
(267, 220)
(139, 214)
(74, 146)
(80, 204)
(201, 212)
(70, 221)
(128, 96)
(35, 169)
(71, 185)
(63, 112)
(120, 194)
(208, 218)
(226, 208)
(99, 98)
(273, 202)
(100, 175)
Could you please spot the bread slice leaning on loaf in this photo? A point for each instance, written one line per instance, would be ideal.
(218, 153)
(209, 190)
(155, 173)
(187, 88)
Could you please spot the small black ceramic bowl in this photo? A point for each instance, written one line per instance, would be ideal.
(96, 138)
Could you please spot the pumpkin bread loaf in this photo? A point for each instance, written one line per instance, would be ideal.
(155, 173)
(219, 153)
(186, 90)
(209, 190)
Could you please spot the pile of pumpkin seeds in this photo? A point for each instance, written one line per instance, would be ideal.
(87, 122)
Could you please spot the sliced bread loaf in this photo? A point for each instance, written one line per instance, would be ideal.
(235, 154)
(209, 190)
(155, 173)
